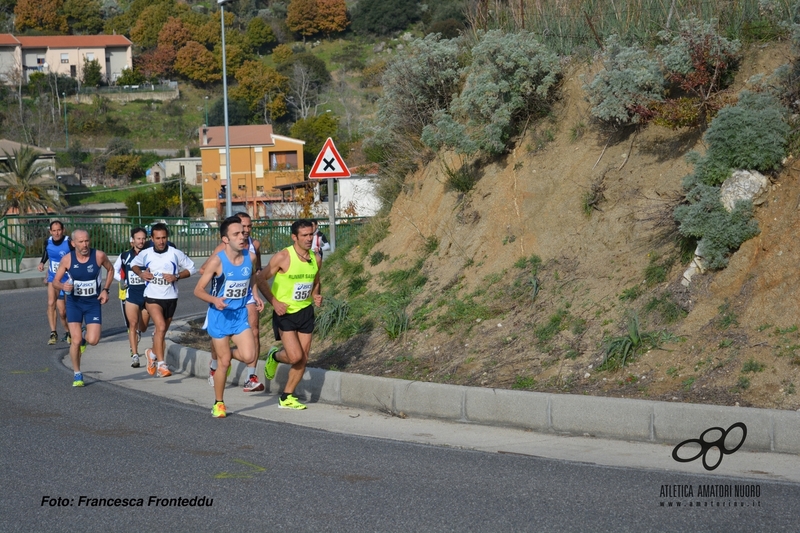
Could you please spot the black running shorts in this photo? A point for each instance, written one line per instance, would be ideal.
(301, 322)
(168, 306)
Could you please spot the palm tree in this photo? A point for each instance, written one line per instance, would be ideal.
(24, 184)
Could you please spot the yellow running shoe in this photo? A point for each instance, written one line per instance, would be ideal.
(218, 411)
(77, 381)
(271, 365)
(291, 402)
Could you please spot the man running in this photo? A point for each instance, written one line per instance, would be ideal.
(320, 242)
(294, 289)
(57, 247)
(254, 247)
(81, 268)
(161, 266)
(232, 275)
(136, 316)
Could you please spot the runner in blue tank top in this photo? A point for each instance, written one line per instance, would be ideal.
(57, 246)
(84, 294)
(254, 247)
(232, 275)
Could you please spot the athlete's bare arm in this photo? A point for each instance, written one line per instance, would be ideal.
(102, 260)
(212, 267)
(63, 267)
(277, 264)
(253, 284)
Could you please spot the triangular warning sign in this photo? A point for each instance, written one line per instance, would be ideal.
(329, 163)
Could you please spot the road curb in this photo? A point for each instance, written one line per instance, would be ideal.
(768, 430)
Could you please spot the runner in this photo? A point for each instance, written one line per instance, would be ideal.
(81, 268)
(57, 247)
(232, 276)
(132, 293)
(294, 289)
(161, 266)
(319, 244)
(252, 313)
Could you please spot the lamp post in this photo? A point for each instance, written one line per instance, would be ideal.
(66, 125)
(228, 207)
(139, 205)
(205, 106)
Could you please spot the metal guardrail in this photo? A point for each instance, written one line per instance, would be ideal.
(11, 252)
(26, 236)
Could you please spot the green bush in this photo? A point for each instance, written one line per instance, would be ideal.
(752, 135)
(623, 92)
(719, 232)
(512, 78)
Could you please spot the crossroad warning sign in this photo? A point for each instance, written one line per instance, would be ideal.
(329, 163)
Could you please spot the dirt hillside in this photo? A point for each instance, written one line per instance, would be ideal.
(734, 333)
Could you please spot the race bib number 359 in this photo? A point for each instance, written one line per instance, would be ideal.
(302, 291)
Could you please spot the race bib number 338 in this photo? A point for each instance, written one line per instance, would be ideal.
(236, 289)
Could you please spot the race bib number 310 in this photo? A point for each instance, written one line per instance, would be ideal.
(302, 291)
(84, 288)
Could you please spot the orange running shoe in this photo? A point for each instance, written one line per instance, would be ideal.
(151, 362)
(163, 371)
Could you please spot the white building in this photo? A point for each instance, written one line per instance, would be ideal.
(63, 54)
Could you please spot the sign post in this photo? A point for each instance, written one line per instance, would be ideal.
(329, 165)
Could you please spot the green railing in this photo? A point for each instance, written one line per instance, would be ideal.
(28, 235)
(11, 252)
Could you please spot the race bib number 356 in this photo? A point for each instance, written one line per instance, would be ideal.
(302, 291)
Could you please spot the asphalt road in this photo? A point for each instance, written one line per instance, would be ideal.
(72, 446)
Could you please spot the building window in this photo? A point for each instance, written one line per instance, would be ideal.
(65, 58)
(283, 161)
(40, 60)
(90, 56)
(242, 184)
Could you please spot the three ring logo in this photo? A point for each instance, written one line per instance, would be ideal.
(706, 446)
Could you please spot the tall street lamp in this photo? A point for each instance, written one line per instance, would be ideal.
(66, 125)
(228, 207)
(139, 205)
(205, 106)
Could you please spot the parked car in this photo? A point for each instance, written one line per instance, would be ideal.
(196, 228)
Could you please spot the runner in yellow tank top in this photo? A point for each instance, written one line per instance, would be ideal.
(295, 287)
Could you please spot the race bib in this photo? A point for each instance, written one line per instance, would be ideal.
(84, 288)
(302, 291)
(236, 289)
(133, 279)
(158, 279)
(54, 266)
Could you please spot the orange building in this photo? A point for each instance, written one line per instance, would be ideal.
(260, 160)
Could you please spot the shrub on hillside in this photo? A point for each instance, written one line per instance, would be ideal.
(623, 92)
(719, 232)
(751, 135)
(512, 78)
(416, 85)
(699, 64)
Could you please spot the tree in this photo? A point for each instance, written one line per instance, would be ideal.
(315, 131)
(262, 88)
(155, 63)
(239, 113)
(124, 166)
(148, 25)
(331, 16)
(197, 64)
(259, 36)
(92, 73)
(174, 34)
(383, 17)
(301, 17)
(41, 15)
(84, 17)
(24, 184)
